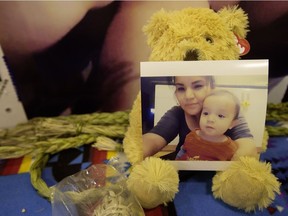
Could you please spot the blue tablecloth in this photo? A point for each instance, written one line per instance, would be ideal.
(195, 197)
(18, 197)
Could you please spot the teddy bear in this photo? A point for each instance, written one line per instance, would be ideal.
(184, 35)
(188, 34)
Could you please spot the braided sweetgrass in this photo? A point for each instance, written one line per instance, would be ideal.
(41, 137)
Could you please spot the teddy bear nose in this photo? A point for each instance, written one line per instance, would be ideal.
(191, 55)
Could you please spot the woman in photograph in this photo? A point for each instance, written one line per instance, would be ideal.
(190, 93)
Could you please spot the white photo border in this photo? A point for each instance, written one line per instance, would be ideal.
(206, 68)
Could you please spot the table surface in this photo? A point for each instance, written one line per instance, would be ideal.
(18, 197)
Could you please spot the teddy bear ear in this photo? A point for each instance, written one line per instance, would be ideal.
(156, 26)
(236, 19)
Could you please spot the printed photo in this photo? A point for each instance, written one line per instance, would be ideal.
(203, 115)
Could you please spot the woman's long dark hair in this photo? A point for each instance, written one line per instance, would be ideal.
(209, 79)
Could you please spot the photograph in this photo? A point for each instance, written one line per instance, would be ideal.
(201, 85)
(203, 115)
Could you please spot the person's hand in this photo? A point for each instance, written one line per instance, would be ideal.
(246, 147)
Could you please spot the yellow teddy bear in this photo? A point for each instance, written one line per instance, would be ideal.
(196, 34)
(188, 34)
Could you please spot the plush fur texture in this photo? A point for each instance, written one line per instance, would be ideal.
(154, 182)
(195, 34)
(132, 142)
(247, 184)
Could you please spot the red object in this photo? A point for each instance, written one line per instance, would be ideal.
(97, 156)
(11, 166)
(243, 45)
(158, 211)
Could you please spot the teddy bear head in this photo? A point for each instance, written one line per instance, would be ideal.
(197, 34)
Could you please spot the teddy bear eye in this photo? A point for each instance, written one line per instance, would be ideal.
(209, 39)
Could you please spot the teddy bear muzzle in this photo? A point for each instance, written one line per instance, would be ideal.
(191, 55)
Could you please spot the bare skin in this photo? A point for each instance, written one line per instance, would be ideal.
(28, 27)
(125, 36)
(193, 90)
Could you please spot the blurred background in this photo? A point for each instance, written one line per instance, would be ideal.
(83, 56)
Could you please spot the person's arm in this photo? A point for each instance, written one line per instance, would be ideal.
(28, 27)
(241, 134)
(152, 143)
(164, 132)
(246, 147)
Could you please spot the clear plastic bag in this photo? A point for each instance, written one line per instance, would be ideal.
(99, 190)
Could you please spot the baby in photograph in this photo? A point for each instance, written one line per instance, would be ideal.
(220, 112)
